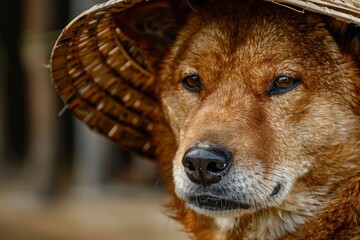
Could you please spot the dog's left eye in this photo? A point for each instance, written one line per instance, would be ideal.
(283, 84)
(192, 83)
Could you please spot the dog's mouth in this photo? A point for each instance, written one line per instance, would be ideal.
(211, 203)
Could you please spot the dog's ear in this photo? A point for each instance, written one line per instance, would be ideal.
(153, 26)
(347, 37)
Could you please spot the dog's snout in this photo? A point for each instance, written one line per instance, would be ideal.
(206, 163)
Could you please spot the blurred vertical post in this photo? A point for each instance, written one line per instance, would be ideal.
(2, 99)
(12, 83)
(41, 101)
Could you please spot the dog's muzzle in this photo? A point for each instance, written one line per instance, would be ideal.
(206, 163)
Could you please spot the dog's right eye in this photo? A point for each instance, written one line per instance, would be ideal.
(192, 83)
(283, 84)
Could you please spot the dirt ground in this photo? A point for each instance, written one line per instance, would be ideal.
(121, 213)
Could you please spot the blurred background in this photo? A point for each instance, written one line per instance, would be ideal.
(58, 180)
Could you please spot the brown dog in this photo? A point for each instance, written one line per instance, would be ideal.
(264, 107)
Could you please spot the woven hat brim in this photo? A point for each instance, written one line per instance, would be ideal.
(102, 77)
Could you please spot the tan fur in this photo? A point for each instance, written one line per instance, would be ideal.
(309, 137)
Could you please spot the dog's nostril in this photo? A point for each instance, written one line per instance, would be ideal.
(189, 166)
(206, 163)
(216, 167)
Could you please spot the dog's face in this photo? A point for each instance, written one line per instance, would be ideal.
(255, 94)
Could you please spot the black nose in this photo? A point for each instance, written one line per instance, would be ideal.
(206, 163)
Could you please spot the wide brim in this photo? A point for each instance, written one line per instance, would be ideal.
(102, 77)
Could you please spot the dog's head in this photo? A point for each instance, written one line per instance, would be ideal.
(259, 97)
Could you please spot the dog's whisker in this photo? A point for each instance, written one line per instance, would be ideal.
(277, 176)
(268, 192)
(309, 189)
(280, 170)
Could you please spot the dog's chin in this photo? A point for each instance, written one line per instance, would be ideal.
(216, 206)
(209, 203)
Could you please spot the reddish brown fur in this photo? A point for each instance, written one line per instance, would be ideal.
(238, 48)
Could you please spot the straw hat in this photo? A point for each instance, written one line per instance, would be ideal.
(104, 79)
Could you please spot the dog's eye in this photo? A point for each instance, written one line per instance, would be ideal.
(283, 84)
(192, 83)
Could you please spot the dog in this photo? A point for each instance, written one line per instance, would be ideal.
(262, 105)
